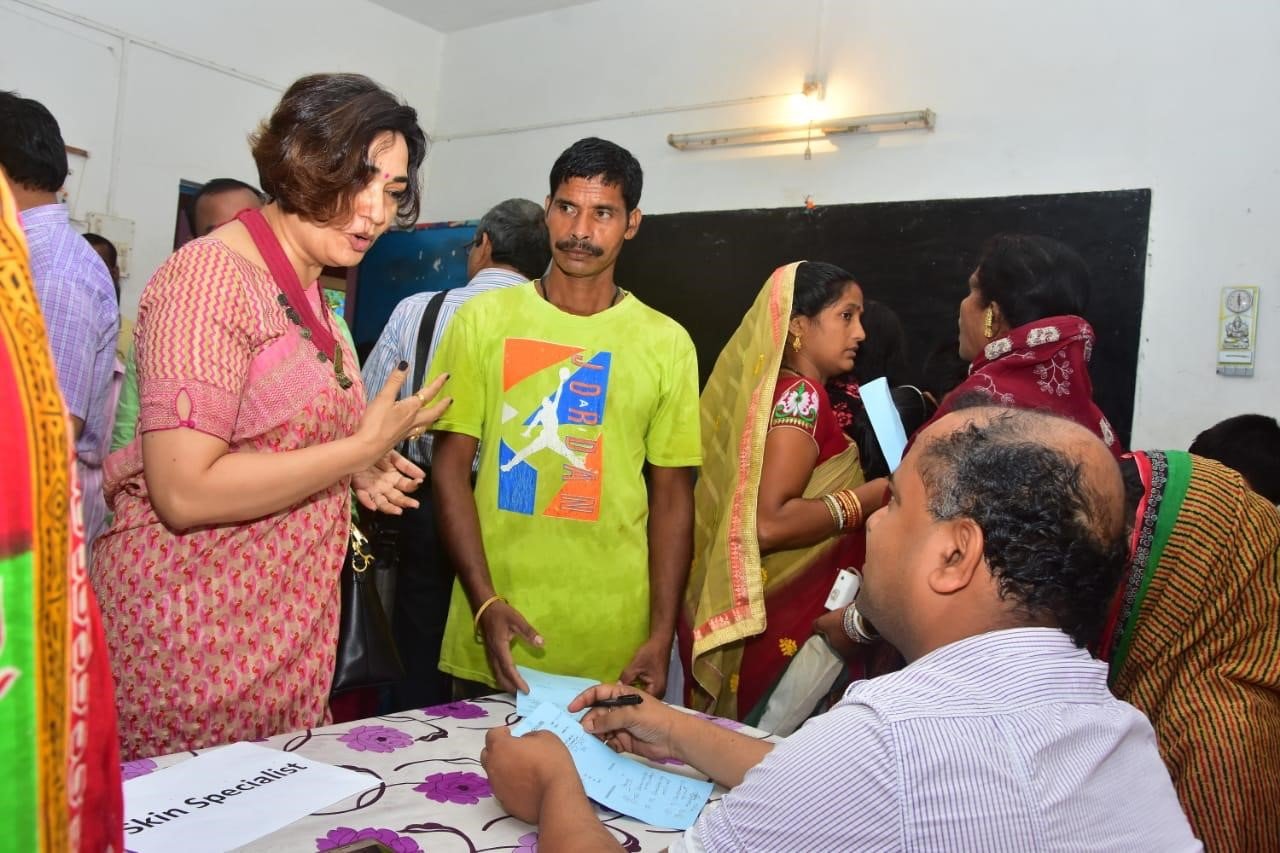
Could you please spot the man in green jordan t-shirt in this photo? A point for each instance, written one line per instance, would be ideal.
(569, 559)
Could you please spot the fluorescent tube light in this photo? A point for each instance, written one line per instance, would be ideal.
(770, 134)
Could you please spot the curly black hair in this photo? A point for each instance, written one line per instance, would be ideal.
(1053, 542)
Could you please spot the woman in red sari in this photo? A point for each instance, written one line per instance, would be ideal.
(1022, 329)
(219, 577)
(780, 484)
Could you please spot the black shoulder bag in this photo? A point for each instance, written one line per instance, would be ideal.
(367, 654)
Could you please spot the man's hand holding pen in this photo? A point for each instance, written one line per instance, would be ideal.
(629, 720)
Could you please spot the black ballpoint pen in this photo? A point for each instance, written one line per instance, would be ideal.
(618, 701)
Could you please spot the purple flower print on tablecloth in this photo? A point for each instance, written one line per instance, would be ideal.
(732, 725)
(461, 787)
(457, 710)
(346, 835)
(376, 739)
(134, 769)
(527, 843)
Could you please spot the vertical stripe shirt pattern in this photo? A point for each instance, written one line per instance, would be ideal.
(1003, 741)
(399, 340)
(82, 320)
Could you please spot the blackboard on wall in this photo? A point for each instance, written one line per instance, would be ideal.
(705, 269)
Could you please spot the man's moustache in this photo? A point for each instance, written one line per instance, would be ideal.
(579, 246)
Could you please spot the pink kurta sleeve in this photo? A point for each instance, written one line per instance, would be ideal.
(194, 342)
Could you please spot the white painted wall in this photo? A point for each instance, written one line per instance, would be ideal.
(1031, 98)
(188, 117)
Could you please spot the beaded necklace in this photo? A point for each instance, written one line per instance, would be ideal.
(291, 296)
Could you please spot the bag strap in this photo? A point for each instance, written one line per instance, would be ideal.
(426, 330)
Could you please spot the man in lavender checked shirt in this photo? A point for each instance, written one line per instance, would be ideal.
(76, 295)
(989, 569)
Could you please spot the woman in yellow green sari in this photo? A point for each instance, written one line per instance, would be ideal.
(780, 486)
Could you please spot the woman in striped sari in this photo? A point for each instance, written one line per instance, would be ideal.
(1193, 640)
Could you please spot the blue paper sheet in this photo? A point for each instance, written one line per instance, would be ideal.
(885, 420)
(619, 782)
(558, 690)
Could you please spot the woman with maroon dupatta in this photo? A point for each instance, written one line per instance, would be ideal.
(1022, 329)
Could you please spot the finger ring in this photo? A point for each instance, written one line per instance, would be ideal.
(422, 401)
(415, 433)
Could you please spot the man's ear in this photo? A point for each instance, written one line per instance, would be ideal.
(633, 224)
(484, 249)
(546, 207)
(961, 555)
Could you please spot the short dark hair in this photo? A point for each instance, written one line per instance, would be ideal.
(217, 186)
(818, 285)
(1032, 278)
(884, 352)
(517, 230)
(599, 158)
(1248, 444)
(31, 147)
(112, 259)
(99, 242)
(313, 152)
(1054, 544)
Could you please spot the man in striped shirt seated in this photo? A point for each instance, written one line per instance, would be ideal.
(989, 570)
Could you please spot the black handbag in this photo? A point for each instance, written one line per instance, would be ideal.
(367, 654)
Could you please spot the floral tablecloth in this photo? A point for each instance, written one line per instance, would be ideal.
(427, 791)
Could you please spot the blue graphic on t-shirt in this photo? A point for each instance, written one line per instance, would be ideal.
(517, 487)
(582, 402)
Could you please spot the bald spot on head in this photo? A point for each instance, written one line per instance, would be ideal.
(1100, 475)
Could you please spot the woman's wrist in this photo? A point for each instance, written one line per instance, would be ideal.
(361, 453)
(872, 494)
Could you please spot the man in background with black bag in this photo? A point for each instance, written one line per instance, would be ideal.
(511, 246)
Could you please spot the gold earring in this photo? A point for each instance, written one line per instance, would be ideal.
(795, 343)
(988, 320)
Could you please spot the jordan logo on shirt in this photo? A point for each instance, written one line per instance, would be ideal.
(550, 452)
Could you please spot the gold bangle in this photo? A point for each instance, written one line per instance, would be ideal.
(483, 607)
(837, 513)
(857, 509)
(852, 508)
(846, 506)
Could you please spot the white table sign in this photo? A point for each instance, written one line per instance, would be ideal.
(229, 797)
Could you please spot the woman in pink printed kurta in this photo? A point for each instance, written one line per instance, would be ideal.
(219, 578)
(211, 620)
